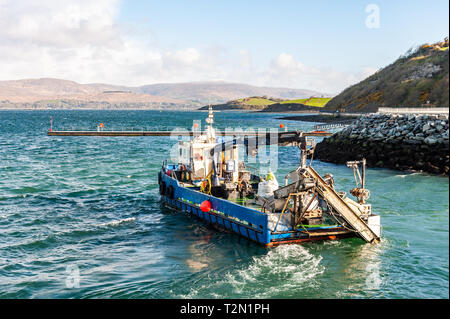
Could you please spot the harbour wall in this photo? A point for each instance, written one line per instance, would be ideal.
(407, 142)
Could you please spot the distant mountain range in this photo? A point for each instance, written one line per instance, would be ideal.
(419, 78)
(58, 93)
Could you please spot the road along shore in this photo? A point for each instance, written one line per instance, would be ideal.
(321, 118)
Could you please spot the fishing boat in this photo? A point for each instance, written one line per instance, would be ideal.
(211, 182)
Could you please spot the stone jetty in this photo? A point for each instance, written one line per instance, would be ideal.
(404, 142)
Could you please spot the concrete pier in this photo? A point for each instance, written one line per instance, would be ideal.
(168, 133)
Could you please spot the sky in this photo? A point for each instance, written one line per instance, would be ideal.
(318, 45)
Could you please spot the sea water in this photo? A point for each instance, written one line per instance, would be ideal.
(80, 217)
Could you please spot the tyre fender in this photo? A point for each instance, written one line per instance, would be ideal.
(162, 188)
(170, 191)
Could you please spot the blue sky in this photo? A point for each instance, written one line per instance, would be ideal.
(316, 32)
(321, 45)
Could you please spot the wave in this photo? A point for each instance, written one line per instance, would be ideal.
(56, 238)
(409, 174)
(27, 190)
(118, 222)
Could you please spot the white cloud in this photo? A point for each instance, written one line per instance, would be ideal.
(80, 40)
(245, 59)
(185, 57)
(287, 63)
(60, 24)
(285, 70)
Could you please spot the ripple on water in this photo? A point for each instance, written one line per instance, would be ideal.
(94, 203)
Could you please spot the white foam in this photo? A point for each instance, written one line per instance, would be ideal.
(294, 265)
(118, 222)
(283, 270)
(406, 175)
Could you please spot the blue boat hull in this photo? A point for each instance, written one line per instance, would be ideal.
(244, 221)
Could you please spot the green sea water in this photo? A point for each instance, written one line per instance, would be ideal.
(80, 217)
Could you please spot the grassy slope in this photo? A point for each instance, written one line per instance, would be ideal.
(313, 101)
(256, 103)
(404, 83)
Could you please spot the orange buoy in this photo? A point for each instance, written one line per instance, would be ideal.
(195, 125)
(101, 125)
(205, 206)
(281, 125)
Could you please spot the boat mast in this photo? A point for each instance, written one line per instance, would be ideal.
(210, 120)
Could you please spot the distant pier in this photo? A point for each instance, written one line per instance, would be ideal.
(170, 133)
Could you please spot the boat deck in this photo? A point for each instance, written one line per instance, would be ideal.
(246, 218)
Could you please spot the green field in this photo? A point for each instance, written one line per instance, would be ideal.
(257, 101)
(261, 101)
(299, 101)
(313, 101)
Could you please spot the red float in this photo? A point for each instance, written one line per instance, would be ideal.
(205, 206)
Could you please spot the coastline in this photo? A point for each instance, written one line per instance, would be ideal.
(414, 143)
(95, 109)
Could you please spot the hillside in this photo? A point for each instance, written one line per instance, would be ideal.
(312, 101)
(265, 104)
(419, 78)
(57, 93)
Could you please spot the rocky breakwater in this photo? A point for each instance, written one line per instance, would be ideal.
(404, 142)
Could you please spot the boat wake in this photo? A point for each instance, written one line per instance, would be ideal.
(281, 273)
